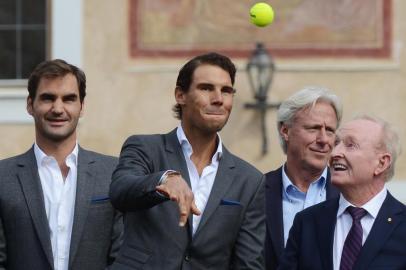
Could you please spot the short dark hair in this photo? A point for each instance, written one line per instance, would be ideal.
(52, 69)
(186, 73)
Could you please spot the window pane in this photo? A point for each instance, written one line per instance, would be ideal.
(7, 12)
(8, 54)
(33, 12)
(33, 50)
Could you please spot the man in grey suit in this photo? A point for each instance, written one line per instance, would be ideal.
(188, 203)
(55, 211)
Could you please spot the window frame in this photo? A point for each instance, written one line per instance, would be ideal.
(63, 41)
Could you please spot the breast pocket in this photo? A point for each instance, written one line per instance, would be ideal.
(100, 205)
(133, 256)
(228, 217)
(229, 210)
(99, 221)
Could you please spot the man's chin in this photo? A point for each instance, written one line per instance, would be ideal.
(217, 127)
(57, 136)
(318, 164)
(320, 160)
(339, 178)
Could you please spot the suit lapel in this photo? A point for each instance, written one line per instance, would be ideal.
(175, 155)
(31, 186)
(380, 231)
(84, 189)
(274, 220)
(325, 226)
(222, 182)
(177, 162)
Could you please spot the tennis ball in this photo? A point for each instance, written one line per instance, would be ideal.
(261, 14)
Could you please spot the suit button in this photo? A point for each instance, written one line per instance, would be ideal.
(187, 258)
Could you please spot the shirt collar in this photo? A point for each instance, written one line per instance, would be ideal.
(40, 156)
(286, 182)
(372, 206)
(187, 147)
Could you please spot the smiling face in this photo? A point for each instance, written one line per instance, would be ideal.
(207, 104)
(310, 137)
(359, 156)
(56, 109)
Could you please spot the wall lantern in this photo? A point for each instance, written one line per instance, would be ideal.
(260, 70)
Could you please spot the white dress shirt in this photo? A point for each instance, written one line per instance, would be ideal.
(201, 185)
(59, 197)
(344, 223)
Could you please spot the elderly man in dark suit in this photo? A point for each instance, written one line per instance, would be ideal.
(365, 228)
(306, 123)
(189, 203)
(54, 208)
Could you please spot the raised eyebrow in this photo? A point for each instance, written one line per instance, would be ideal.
(331, 128)
(70, 96)
(348, 139)
(313, 126)
(46, 95)
(205, 85)
(229, 88)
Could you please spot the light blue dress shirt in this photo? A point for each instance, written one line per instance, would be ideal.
(294, 200)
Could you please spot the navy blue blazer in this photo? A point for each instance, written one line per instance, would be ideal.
(311, 239)
(274, 243)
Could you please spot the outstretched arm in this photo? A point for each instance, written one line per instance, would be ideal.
(137, 184)
(134, 181)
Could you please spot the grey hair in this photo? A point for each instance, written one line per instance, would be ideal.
(305, 98)
(389, 141)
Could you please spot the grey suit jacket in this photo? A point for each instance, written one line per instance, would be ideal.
(24, 231)
(231, 232)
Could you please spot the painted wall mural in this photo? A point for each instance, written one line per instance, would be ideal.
(354, 28)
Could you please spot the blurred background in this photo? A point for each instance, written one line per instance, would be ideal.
(132, 50)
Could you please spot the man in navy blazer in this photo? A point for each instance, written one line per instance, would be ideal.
(326, 236)
(189, 203)
(306, 123)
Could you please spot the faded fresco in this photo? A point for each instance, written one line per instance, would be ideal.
(190, 25)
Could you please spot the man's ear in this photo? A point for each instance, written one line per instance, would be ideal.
(179, 96)
(29, 105)
(284, 131)
(82, 108)
(384, 162)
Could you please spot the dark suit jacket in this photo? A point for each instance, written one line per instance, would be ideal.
(274, 243)
(24, 231)
(231, 232)
(311, 239)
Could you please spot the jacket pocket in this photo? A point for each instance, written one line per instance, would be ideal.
(133, 256)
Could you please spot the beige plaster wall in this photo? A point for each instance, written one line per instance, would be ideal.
(133, 96)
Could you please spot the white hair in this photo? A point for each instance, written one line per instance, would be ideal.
(389, 141)
(305, 98)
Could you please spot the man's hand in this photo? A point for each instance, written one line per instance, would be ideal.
(176, 189)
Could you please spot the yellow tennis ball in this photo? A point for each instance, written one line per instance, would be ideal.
(261, 14)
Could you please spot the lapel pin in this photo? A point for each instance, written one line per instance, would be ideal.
(389, 220)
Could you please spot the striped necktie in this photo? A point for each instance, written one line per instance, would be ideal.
(353, 242)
